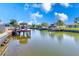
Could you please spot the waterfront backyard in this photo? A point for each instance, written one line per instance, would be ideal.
(44, 43)
(39, 29)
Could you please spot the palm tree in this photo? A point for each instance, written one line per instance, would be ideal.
(60, 23)
(76, 21)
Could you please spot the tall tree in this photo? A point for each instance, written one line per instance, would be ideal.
(76, 21)
(13, 22)
(33, 26)
(60, 23)
(44, 24)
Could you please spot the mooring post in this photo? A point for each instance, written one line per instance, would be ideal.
(23, 33)
(29, 33)
(19, 33)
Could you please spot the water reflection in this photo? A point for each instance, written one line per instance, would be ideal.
(21, 39)
(57, 35)
(44, 32)
(65, 35)
(45, 43)
(75, 36)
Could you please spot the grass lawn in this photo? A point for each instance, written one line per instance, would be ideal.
(71, 28)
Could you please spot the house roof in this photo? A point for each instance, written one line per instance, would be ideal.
(23, 24)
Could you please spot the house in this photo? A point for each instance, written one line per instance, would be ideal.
(44, 27)
(70, 25)
(2, 27)
(53, 26)
(22, 26)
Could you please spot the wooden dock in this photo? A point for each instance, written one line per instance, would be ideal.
(23, 32)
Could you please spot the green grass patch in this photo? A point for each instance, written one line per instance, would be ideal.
(75, 35)
(44, 30)
(71, 28)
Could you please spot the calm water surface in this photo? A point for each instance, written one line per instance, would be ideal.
(43, 43)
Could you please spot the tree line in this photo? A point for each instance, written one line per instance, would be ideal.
(14, 23)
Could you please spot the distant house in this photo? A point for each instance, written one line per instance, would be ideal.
(61, 27)
(22, 26)
(2, 27)
(52, 26)
(70, 25)
(44, 27)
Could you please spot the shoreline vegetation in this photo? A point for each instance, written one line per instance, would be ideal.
(76, 30)
(59, 25)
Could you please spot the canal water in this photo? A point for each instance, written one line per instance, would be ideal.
(44, 43)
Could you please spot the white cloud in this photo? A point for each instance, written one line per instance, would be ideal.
(65, 4)
(47, 6)
(36, 16)
(61, 16)
(44, 6)
(30, 22)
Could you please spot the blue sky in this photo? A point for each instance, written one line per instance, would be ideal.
(38, 13)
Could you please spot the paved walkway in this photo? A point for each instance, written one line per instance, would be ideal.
(3, 37)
